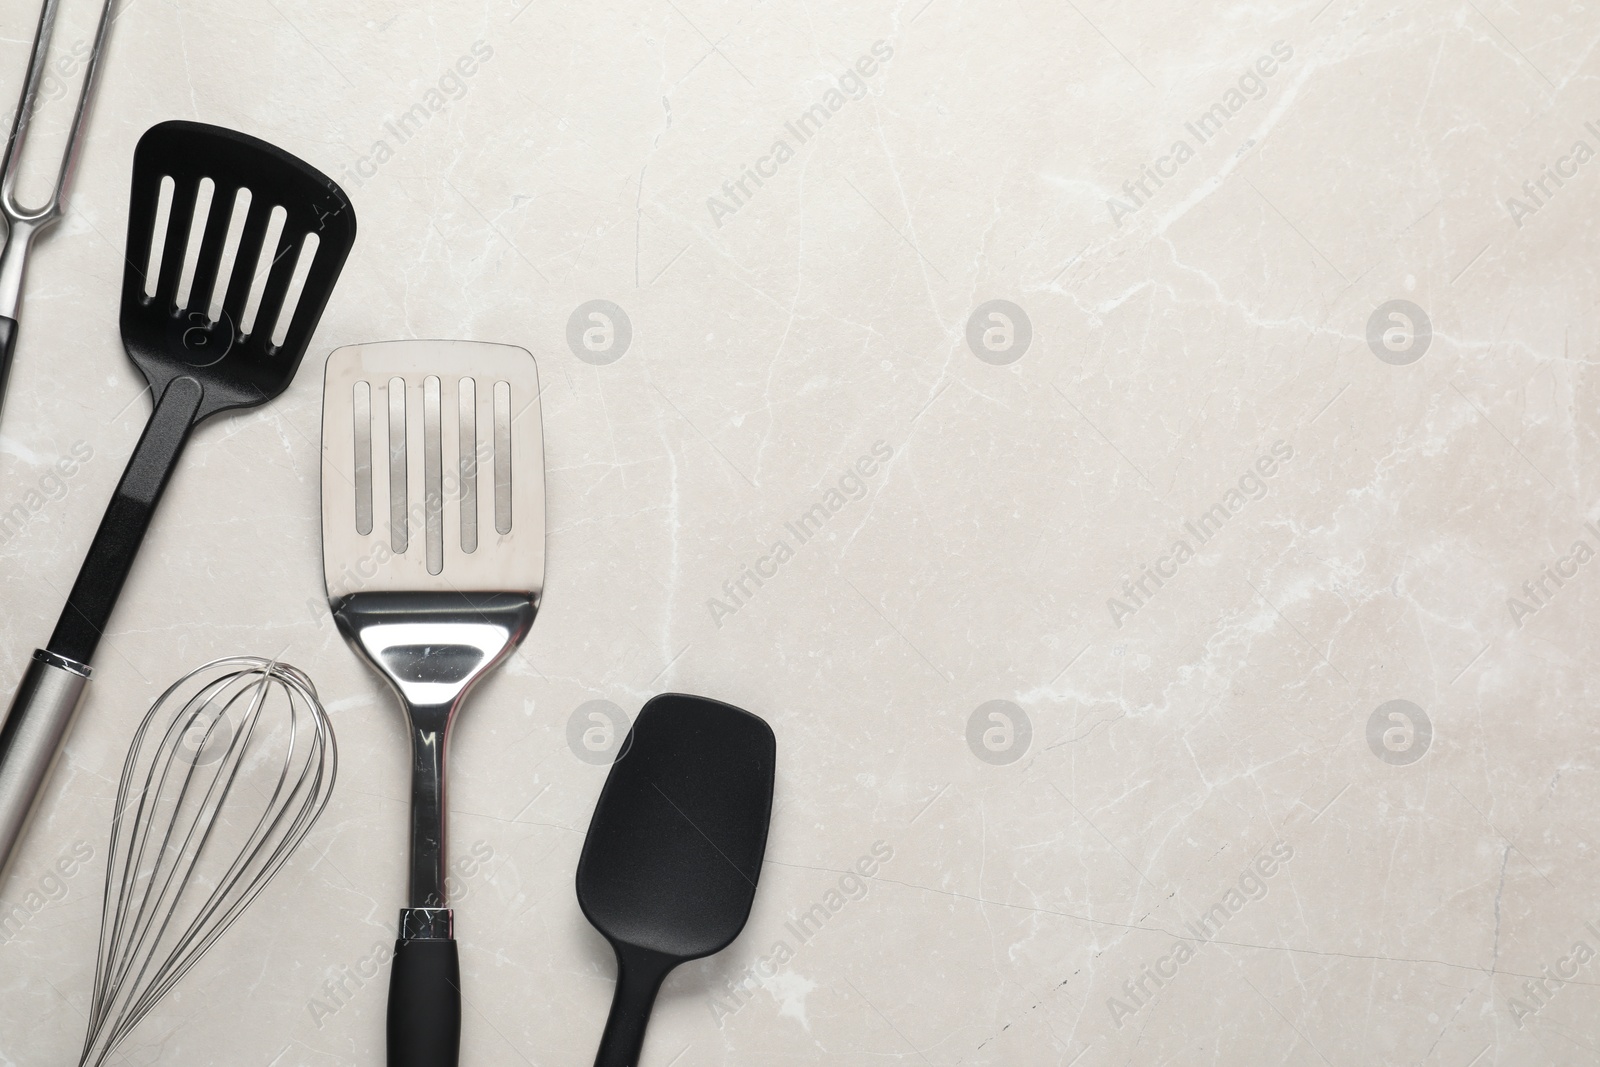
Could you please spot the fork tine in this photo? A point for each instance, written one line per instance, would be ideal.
(24, 114)
(28, 100)
(92, 64)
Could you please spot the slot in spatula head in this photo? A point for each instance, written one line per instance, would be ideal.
(234, 246)
(675, 848)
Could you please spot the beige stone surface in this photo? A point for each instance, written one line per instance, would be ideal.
(1225, 342)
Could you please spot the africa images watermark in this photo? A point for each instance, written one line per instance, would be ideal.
(450, 87)
(1399, 732)
(54, 83)
(596, 732)
(599, 332)
(1538, 992)
(1251, 85)
(1541, 589)
(355, 576)
(852, 885)
(1142, 989)
(1538, 192)
(349, 980)
(51, 486)
(51, 889)
(1253, 484)
(1399, 332)
(852, 85)
(852, 486)
(999, 732)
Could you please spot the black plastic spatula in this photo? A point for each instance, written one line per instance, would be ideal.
(669, 868)
(233, 250)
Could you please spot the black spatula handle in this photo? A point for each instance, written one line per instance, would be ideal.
(425, 1004)
(127, 518)
(639, 977)
(42, 712)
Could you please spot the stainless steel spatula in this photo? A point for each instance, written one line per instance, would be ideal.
(433, 552)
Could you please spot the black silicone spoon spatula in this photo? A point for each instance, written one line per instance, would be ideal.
(669, 868)
(217, 309)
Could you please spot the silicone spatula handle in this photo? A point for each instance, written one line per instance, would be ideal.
(639, 977)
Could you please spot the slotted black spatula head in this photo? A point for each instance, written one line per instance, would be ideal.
(670, 865)
(273, 234)
(233, 250)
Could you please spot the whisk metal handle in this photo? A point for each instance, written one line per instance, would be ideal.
(424, 1028)
(37, 724)
(432, 648)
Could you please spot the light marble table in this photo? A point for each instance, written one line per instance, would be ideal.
(1081, 617)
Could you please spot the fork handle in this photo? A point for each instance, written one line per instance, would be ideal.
(425, 1004)
(8, 345)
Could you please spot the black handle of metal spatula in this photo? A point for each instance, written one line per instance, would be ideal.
(639, 977)
(425, 1004)
(127, 518)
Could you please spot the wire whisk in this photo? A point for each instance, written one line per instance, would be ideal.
(226, 775)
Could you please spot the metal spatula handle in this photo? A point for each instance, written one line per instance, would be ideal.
(431, 648)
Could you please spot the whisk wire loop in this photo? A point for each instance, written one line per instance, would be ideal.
(227, 773)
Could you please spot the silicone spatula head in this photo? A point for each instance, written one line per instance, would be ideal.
(670, 865)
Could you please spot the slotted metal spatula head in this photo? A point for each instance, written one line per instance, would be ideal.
(432, 470)
(234, 246)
